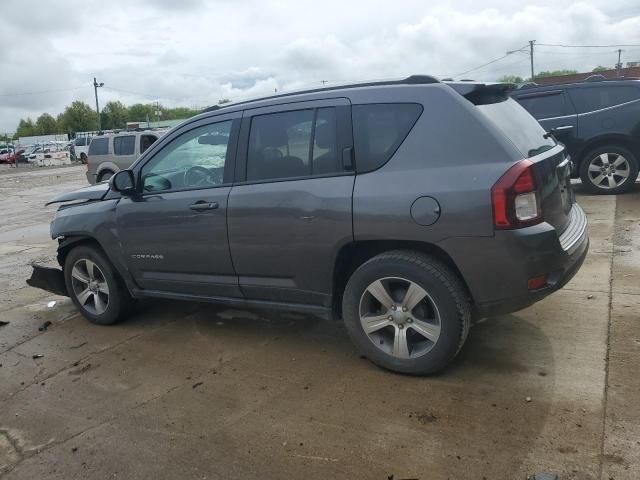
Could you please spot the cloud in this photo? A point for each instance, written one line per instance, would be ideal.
(196, 52)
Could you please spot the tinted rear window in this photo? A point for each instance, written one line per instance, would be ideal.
(588, 99)
(99, 146)
(378, 131)
(124, 145)
(547, 105)
(519, 126)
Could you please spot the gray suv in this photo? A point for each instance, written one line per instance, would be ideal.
(112, 152)
(403, 207)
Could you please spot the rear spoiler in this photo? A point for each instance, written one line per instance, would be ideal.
(483, 93)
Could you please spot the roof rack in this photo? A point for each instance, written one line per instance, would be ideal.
(411, 80)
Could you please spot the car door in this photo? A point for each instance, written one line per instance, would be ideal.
(174, 233)
(554, 111)
(290, 208)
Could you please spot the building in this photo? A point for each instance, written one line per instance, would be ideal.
(628, 72)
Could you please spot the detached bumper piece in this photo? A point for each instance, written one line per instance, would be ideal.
(49, 279)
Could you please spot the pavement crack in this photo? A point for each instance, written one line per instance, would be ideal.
(605, 399)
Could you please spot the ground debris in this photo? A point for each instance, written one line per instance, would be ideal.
(37, 355)
(44, 326)
(589, 297)
(4, 323)
(423, 417)
(81, 370)
(196, 385)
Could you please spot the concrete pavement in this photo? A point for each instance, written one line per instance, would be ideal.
(198, 391)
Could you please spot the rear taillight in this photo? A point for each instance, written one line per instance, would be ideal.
(515, 198)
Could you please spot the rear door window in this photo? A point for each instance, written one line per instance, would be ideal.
(300, 143)
(588, 99)
(124, 145)
(378, 131)
(99, 146)
(518, 126)
(545, 104)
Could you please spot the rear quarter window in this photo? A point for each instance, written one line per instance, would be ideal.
(518, 126)
(99, 146)
(588, 99)
(379, 129)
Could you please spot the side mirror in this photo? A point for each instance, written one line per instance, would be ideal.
(123, 182)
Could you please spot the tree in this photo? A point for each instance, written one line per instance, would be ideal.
(222, 101)
(26, 128)
(77, 117)
(46, 125)
(555, 73)
(510, 79)
(114, 115)
(179, 113)
(139, 112)
(600, 68)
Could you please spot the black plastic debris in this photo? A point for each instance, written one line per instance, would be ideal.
(3, 323)
(44, 326)
(37, 355)
(49, 279)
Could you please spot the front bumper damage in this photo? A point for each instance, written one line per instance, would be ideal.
(50, 279)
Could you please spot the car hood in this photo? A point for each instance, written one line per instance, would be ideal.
(94, 192)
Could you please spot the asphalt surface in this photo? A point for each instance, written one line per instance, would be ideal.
(196, 391)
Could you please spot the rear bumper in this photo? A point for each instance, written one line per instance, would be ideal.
(497, 273)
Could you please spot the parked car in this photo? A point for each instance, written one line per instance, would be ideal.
(403, 207)
(598, 121)
(113, 152)
(7, 154)
(50, 154)
(81, 148)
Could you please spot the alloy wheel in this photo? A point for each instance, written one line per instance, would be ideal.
(90, 286)
(399, 317)
(608, 170)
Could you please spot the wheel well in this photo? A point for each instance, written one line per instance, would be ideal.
(104, 171)
(617, 140)
(354, 254)
(68, 243)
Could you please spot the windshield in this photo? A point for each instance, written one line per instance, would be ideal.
(518, 126)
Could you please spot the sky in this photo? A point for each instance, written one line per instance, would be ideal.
(195, 52)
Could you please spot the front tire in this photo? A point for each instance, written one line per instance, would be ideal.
(105, 175)
(407, 312)
(609, 170)
(94, 286)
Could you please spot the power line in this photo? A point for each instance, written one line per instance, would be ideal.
(43, 91)
(490, 62)
(588, 46)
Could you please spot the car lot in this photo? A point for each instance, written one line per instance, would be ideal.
(200, 391)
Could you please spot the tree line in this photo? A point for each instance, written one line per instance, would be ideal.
(80, 117)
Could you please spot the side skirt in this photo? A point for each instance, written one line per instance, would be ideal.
(316, 310)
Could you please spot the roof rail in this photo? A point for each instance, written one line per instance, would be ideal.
(410, 80)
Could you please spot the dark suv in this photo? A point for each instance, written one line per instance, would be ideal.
(599, 123)
(402, 207)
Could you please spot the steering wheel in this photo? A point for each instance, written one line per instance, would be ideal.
(197, 176)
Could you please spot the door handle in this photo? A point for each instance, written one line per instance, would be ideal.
(201, 206)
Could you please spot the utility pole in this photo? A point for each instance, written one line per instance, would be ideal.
(96, 85)
(619, 64)
(531, 42)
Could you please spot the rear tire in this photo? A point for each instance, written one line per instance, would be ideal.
(609, 170)
(427, 321)
(105, 175)
(94, 286)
